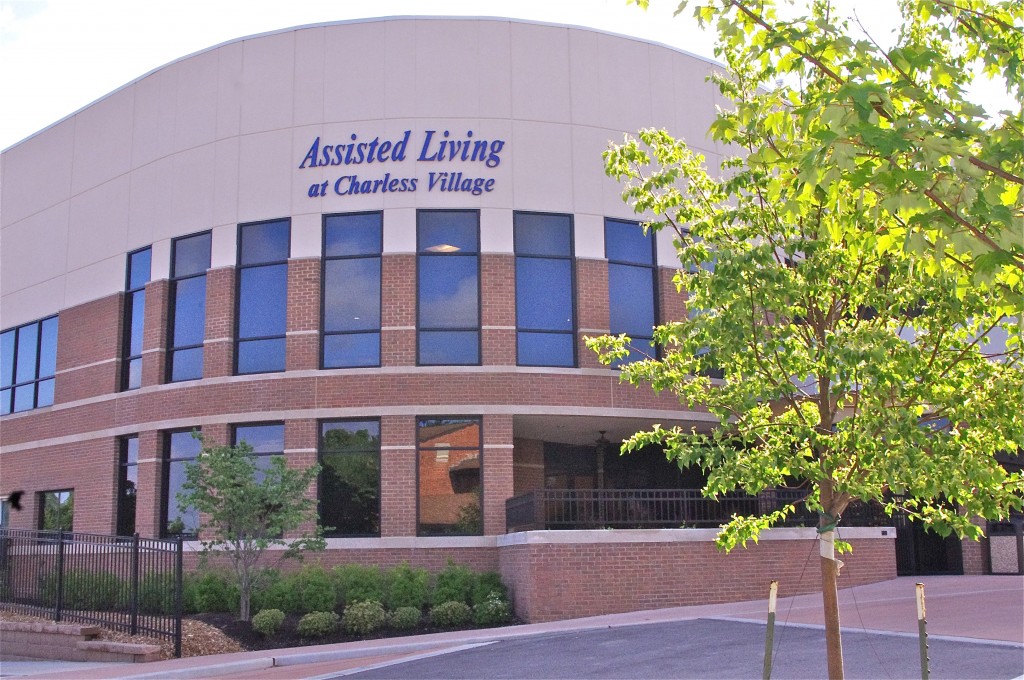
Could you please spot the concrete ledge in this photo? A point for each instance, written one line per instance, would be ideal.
(604, 536)
(134, 652)
(69, 642)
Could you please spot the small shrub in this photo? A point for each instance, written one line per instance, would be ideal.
(486, 583)
(268, 594)
(156, 594)
(268, 621)
(407, 587)
(404, 618)
(492, 611)
(356, 583)
(363, 618)
(451, 614)
(96, 591)
(215, 591)
(454, 584)
(310, 590)
(317, 624)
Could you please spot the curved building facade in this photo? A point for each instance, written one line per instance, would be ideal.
(378, 245)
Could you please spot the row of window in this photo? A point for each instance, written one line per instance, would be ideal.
(447, 282)
(447, 289)
(349, 488)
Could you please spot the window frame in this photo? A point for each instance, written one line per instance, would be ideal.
(480, 427)
(571, 257)
(653, 268)
(478, 329)
(172, 307)
(165, 490)
(70, 491)
(319, 485)
(8, 408)
(324, 333)
(122, 479)
(128, 315)
(239, 268)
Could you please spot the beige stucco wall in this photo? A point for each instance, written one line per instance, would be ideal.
(217, 138)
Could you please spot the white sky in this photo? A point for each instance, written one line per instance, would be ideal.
(57, 56)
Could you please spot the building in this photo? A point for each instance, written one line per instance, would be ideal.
(380, 245)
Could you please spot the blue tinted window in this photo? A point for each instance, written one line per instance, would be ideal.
(28, 361)
(261, 356)
(351, 235)
(182, 448)
(351, 350)
(135, 304)
(136, 279)
(190, 262)
(632, 291)
(631, 300)
(48, 347)
(189, 311)
(351, 290)
(626, 242)
(448, 287)
(543, 294)
(187, 364)
(28, 348)
(266, 242)
(352, 294)
(191, 255)
(7, 358)
(266, 441)
(139, 267)
(545, 315)
(128, 484)
(262, 297)
(449, 292)
(543, 235)
(451, 348)
(546, 349)
(448, 231)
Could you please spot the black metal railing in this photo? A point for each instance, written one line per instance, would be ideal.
(124, 583)
(660, 509)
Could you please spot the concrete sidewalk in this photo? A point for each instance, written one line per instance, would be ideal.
(981, 608)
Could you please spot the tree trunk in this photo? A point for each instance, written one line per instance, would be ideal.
(243, 598)
(830, 599)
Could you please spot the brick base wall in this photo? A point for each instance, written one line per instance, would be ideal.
(560, 575)
(555, 575)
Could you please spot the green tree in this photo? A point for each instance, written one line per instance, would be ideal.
(247, 510)
(867, 339)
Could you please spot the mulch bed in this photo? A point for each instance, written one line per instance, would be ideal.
(242, 632)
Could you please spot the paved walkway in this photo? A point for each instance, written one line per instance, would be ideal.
(982, 608)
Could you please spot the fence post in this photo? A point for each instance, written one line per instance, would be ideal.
(60, 576)
(178, 584)
(135, 585)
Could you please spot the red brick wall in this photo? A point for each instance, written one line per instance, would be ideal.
(498, 309)
(557, 581)
(527, 466)
(976, 556)
(592, 315)
(154, 333)
(397, 476)
(218, 350)
(431, 559)
(88, 347)
(398, 310)
(303, 323)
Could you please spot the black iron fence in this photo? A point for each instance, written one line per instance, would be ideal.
(659, 509)
(124, 583)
